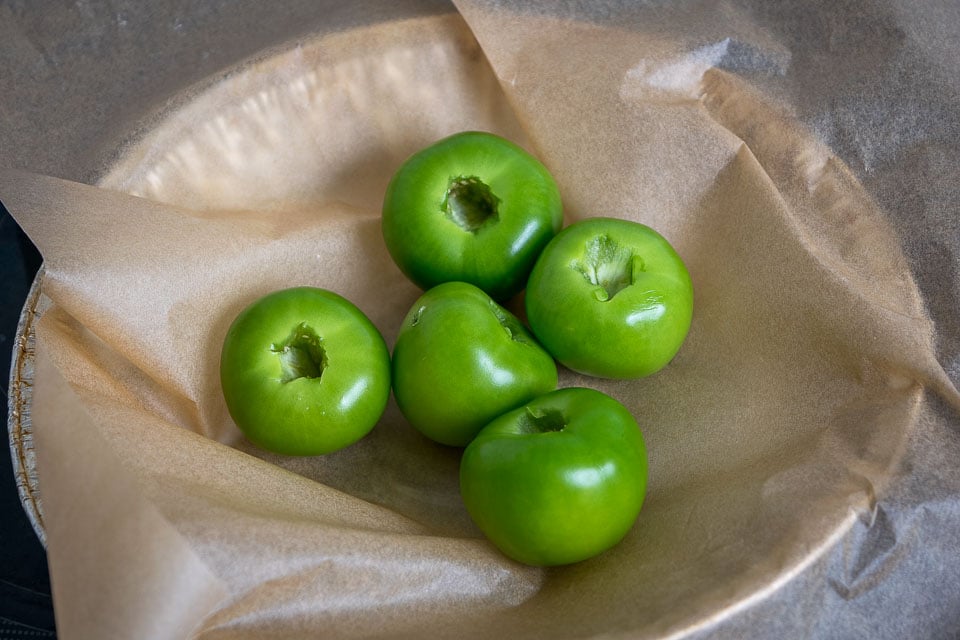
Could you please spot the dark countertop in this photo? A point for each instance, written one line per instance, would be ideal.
(26, 607)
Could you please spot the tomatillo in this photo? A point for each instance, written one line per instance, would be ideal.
(610, 298)
(472, 207)
(461, 359)
(304, 372)
(558, 480)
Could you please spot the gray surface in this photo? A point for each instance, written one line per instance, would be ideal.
(78, 79)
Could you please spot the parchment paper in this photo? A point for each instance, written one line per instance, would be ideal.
(801, 444)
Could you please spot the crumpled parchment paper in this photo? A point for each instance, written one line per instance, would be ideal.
(803, 443)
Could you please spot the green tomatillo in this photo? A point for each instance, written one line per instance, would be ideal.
(472, 207)
(461, 359)
(558, 480)
(610, 298)
(304, 372)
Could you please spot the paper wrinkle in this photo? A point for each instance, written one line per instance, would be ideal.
(102, 372)
(170, 588)
(682, 74)
(872, 560)
(829, 196)
(327, 573)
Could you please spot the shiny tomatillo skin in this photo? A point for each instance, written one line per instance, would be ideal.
(461, 359)
(304, 372)
(558, 480)
(610, 298)
(472, 207)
